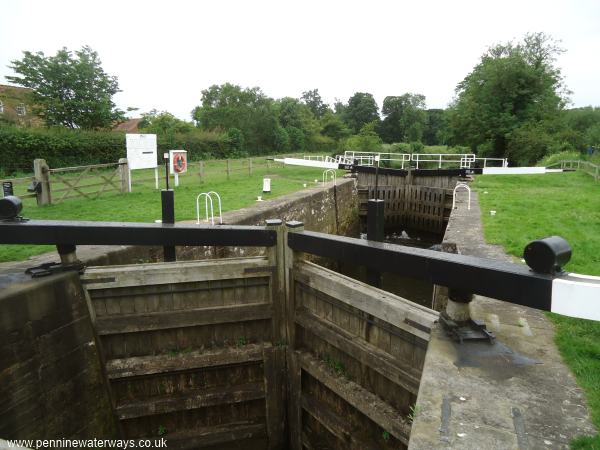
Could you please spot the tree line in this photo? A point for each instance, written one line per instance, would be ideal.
(513, 104)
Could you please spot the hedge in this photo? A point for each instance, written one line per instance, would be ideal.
(64, 148)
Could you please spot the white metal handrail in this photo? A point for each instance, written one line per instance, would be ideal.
(333, 176)
(208, 198)
(370, 157)
(503, 161)
(461, 184)
(464, 159)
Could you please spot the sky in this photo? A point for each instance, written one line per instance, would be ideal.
(165, 53)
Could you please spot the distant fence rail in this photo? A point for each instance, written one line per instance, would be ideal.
(584, 166)
(56, 185)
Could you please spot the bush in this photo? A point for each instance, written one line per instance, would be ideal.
(323, 144)
(399, 147)
(548, 160)
(416, 147)
(235, 143)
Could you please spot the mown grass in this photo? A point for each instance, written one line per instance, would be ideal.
(568, 205)
(143, 204)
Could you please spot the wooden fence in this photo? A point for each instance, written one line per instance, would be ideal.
(92, 181)
(584, 166)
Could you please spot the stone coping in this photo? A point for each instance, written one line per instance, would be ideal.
(514, 394)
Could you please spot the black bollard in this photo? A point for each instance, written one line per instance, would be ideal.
(167, 198)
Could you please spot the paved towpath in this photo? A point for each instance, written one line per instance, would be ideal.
(514, 394)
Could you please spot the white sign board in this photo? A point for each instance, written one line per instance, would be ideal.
(141, 151)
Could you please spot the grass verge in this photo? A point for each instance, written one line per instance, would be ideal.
(568, 205)
(143, 204)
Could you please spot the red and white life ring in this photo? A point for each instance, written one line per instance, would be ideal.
(179, 163)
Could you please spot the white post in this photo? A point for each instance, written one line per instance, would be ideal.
(156, 177)
(176, 179)
(129, 180)
(440, 163)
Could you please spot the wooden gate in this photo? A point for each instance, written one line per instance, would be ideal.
(420, 207)
(257, 353)
(85, 181)
(191, 352)
(354, 361)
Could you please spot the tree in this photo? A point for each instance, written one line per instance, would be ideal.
(292, 113)
(593, 137)
(69, 89)
(367, 140)
(281, 140)
(163, 123)
(297, 138)
(512, 86)
(405, 118)
(249, 110)
(313, 100)
(435, 128)
(361, 110)
(235, 142)
(333, 127)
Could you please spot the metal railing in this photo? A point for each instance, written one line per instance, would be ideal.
(208, 197)
(463, 159)
(369, 158)
(503, 162)
(329, 173)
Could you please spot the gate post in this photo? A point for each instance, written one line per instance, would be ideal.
(42, 175)
(124, 175)
(375, 232)
(275, 357)
(293, 363)
(276, 257)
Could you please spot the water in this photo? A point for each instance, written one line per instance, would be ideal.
(418, 291)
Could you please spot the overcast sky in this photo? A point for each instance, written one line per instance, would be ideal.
(164, 53)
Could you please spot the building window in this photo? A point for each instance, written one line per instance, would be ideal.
(21, 111)
(1, 107)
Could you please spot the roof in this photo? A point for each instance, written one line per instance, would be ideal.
(129, 126)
